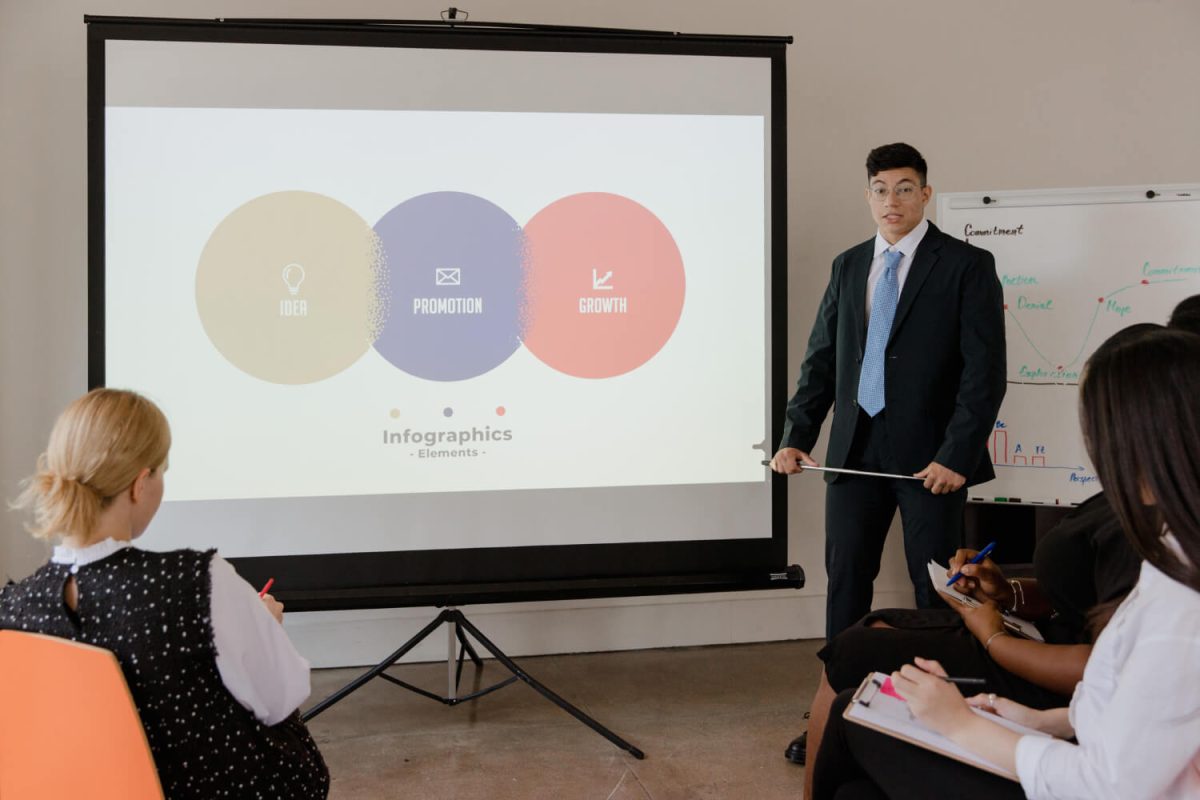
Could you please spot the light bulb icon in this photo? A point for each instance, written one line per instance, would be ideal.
(293, 276)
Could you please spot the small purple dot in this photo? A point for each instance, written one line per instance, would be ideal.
(449, 412)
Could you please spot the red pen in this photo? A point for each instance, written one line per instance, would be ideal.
(266, 588)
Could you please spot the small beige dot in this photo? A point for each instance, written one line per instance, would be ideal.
(395, 413)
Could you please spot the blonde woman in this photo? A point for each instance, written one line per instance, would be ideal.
(215, 678)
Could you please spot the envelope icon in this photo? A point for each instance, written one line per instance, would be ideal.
(447, 276)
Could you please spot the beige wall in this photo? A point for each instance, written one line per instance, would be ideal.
(1021, 94)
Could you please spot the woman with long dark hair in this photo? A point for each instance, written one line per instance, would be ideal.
(1135, 716)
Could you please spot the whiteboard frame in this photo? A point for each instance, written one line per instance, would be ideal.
(1027, 198)
(1033, 198)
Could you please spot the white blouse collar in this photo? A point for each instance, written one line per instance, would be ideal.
(77, 558)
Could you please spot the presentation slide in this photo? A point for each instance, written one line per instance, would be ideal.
(375, 303)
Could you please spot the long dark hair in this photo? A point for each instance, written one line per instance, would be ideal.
(1139, 404)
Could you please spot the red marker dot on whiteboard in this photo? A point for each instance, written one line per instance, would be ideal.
(1145, 282)
(1099, 299)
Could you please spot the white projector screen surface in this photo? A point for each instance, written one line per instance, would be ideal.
(399, 299)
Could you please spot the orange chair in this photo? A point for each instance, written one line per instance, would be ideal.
(68, 725)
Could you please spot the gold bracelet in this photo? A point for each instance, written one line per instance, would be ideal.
(987, 646)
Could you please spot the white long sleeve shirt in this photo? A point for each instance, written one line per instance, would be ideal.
(257, 662)
(1136, 713)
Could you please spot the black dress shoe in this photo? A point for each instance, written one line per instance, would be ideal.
(797, 751)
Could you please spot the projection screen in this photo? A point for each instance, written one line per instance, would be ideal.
(440, 314)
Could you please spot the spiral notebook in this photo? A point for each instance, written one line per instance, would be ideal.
(886, 712)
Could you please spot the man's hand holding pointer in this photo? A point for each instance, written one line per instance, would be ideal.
(790, 461)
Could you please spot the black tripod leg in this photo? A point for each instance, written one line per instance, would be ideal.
(470, 649)
(378, 668)
(465, 649)
(461, 652)
(549, 695)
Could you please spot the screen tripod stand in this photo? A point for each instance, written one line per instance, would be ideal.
(457, 628)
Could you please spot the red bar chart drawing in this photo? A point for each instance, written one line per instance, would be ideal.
(1016, 453)
(999, 446)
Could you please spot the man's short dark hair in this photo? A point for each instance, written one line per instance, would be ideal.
(895, 156)
(1186, 315)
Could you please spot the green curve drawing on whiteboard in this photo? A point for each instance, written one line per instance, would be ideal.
(1087, 336)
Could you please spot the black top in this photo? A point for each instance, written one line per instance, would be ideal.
(152, 610)
(1085, 560)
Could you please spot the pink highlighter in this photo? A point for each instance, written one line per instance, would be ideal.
(888, 689)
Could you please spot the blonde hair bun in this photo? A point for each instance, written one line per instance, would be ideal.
(97, 447)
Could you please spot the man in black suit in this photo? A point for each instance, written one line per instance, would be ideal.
(908, 349)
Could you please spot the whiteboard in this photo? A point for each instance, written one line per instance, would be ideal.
(1076, 266)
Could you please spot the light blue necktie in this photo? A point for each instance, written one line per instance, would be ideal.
(883, 312)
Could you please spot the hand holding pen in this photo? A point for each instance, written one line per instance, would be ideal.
(931, 697)
(977, 575)
(273, 605)
(980, 556)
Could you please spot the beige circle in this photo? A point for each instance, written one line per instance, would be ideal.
(289, 287)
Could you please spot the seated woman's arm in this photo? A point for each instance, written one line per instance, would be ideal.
(939, 705)
(1142, 743)
(257, 662)
(1000, 745)
(1057, 667)
(1054, 721)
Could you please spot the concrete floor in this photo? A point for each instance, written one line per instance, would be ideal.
(712, 721)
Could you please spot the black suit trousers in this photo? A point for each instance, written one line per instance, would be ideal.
(858, 513)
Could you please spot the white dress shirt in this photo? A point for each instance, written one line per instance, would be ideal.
(907, 246)
(256, 660)
(1136, 713)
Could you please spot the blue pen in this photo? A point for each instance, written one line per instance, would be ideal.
(980, 556)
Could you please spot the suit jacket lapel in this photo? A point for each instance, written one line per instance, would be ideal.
(926, 256)
(856, 285)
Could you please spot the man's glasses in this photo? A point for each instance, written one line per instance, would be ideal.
(903, 193)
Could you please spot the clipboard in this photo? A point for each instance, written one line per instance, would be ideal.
(890, 715)
(1013, 624)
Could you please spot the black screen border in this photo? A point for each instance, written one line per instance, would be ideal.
(500, 574)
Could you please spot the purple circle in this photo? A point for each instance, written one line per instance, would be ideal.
(455, 286)
(448, 412)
